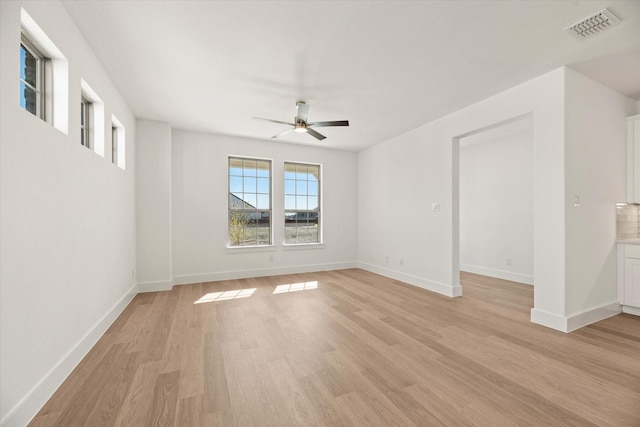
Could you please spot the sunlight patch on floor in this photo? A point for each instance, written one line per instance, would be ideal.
(294, 287)
(226, 295)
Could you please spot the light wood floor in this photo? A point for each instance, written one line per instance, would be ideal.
(353, 349)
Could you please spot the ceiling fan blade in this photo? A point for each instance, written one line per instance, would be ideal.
(303, 111)
(274, 121)
(315, 134)
(284, 132)
(327, 124)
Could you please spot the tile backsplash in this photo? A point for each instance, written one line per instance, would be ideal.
(627, 221)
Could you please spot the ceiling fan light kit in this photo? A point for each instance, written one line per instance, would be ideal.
(301, 125)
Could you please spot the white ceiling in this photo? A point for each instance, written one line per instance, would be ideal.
(386, 66)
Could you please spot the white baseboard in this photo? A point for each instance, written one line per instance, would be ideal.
(631, 310)
(161, 285)
(430, 285)
(550, 320)
(575, 321)
(261, 272)
(21, 414)
(527, 279)
(593, 315)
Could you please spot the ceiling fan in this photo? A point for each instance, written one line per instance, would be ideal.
(301, 125)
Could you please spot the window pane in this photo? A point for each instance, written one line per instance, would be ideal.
(313, 173)
(308, 234)
(290, 202)
(289, 186)
(301, 188)
(250, 168)
(28, 98)
(250, 200)
(235, 201)
(301, 202)
(263, 169)
(235, 167)
(263, 229)
(312, 188)
(289, 171)
(250, 185)
(290, 231)
(313, 202)
(235, 184)
(301, 171)
(237, 221)
(28, 66)
(264, 185)
(263, 201)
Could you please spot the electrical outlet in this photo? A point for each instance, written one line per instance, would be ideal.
(401, 261)
(271, 258)
(508, 261)
(386, 259)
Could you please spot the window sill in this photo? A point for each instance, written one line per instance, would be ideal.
(301, 246)
(249, 249)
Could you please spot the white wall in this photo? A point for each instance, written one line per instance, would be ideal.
(595, 148)
(200, 203)
(496, 202)
(67, 223)
(153, 204)
(399, 180)
(578, 149)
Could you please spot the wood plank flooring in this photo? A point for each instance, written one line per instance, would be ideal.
(349, 348)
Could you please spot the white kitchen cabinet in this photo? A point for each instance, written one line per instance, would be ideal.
(629, 277)
(633, 159)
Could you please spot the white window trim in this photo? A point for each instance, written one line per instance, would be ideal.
(86, 129)
(56, 72)
(114, 145)
(96, 129)
(302, 246)
(120, 160)
(248, 248)
(43, 69)
(320, 243)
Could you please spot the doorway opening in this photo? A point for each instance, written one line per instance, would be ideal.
(493, 203)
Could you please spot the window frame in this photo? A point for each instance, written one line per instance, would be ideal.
(86, 122)
(114, 145)
(118, 139)
(318, 210)
(43, 72)
(256, 213)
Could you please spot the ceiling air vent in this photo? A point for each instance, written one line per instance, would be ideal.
(593, 24)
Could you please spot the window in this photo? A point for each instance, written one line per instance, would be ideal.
(114, 145)
(249, 202)
(32, 77)
(117, 143)
(302, 203)
(86, 125)
(44, 76)
(92, 121)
